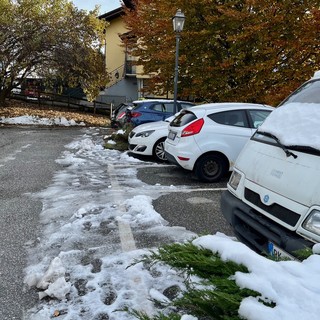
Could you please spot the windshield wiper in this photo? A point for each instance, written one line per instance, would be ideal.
(306, 149)
(279, 144)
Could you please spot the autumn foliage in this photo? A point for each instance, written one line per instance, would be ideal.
(249, 50)
(50, 39)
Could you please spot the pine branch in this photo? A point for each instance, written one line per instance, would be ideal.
(216, 296)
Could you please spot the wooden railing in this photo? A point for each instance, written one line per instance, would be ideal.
(116, 75)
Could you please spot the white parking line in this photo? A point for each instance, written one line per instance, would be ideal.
(127, 241)
(162, 189)
(126, 236)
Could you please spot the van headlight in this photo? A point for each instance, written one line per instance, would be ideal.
(312, 223)
(234, 180)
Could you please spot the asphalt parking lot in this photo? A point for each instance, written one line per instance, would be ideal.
(191, 204)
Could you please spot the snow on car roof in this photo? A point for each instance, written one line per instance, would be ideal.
(316, 75)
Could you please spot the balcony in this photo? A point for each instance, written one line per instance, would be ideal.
(130, 69)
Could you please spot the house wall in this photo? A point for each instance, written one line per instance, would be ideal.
(120, 88)
(124, 91)
(128, 87)
(115, 53)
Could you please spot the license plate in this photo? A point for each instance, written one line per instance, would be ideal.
(171, 135)
(278, 253)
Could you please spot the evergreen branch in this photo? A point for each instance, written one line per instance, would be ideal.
(216, 296)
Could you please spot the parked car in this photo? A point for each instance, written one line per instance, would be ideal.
(152, 110)
(16, 90)
(148, 139)
(32, 92)
(207, 139)
(118, 116)
(273, 197)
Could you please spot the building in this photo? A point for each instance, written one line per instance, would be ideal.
(127, 79)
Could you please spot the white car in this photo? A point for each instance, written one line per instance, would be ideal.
(207, 139)
(148, 139)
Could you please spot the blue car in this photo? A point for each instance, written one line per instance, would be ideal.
(144, 111)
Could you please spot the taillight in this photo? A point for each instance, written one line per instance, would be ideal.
(193, 128)
(121, 115)
(135, 114)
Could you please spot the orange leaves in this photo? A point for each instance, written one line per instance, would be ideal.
(231, 50)
(17, 109)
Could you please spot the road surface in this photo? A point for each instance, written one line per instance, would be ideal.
(27, 166)
(27, 163)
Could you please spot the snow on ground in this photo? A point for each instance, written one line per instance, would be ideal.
(97, 219)
(94, 212)
(26, 120)
(292, 285)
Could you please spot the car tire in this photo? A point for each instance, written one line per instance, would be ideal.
(210, 168)
(158, 150)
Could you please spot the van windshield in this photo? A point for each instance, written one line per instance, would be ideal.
(307, 93)
(296, 121)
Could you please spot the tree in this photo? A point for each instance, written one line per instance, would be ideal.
(230, 50)
(50, 38)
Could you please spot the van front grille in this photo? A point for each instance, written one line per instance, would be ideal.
(280, 212)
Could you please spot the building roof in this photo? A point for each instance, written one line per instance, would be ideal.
(112, 14)
(117, 12)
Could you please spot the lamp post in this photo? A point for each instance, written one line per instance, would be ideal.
(178, 23)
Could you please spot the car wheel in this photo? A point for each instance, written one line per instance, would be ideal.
(158, 150)
(210, 168)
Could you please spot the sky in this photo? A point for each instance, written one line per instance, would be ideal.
(105, 5)
(89, 275)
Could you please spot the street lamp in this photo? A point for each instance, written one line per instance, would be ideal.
(178, 23)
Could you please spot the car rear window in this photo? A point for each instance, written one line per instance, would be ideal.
(183, 118)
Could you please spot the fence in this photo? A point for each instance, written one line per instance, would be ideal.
(57, 100)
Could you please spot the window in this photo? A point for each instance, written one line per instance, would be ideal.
(158, 107)
(169, 107)
(231, 118)
(307, 93)
(183, 118)
(258, 116)
(163, 107)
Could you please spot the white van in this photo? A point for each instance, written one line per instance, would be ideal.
(273, 197)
